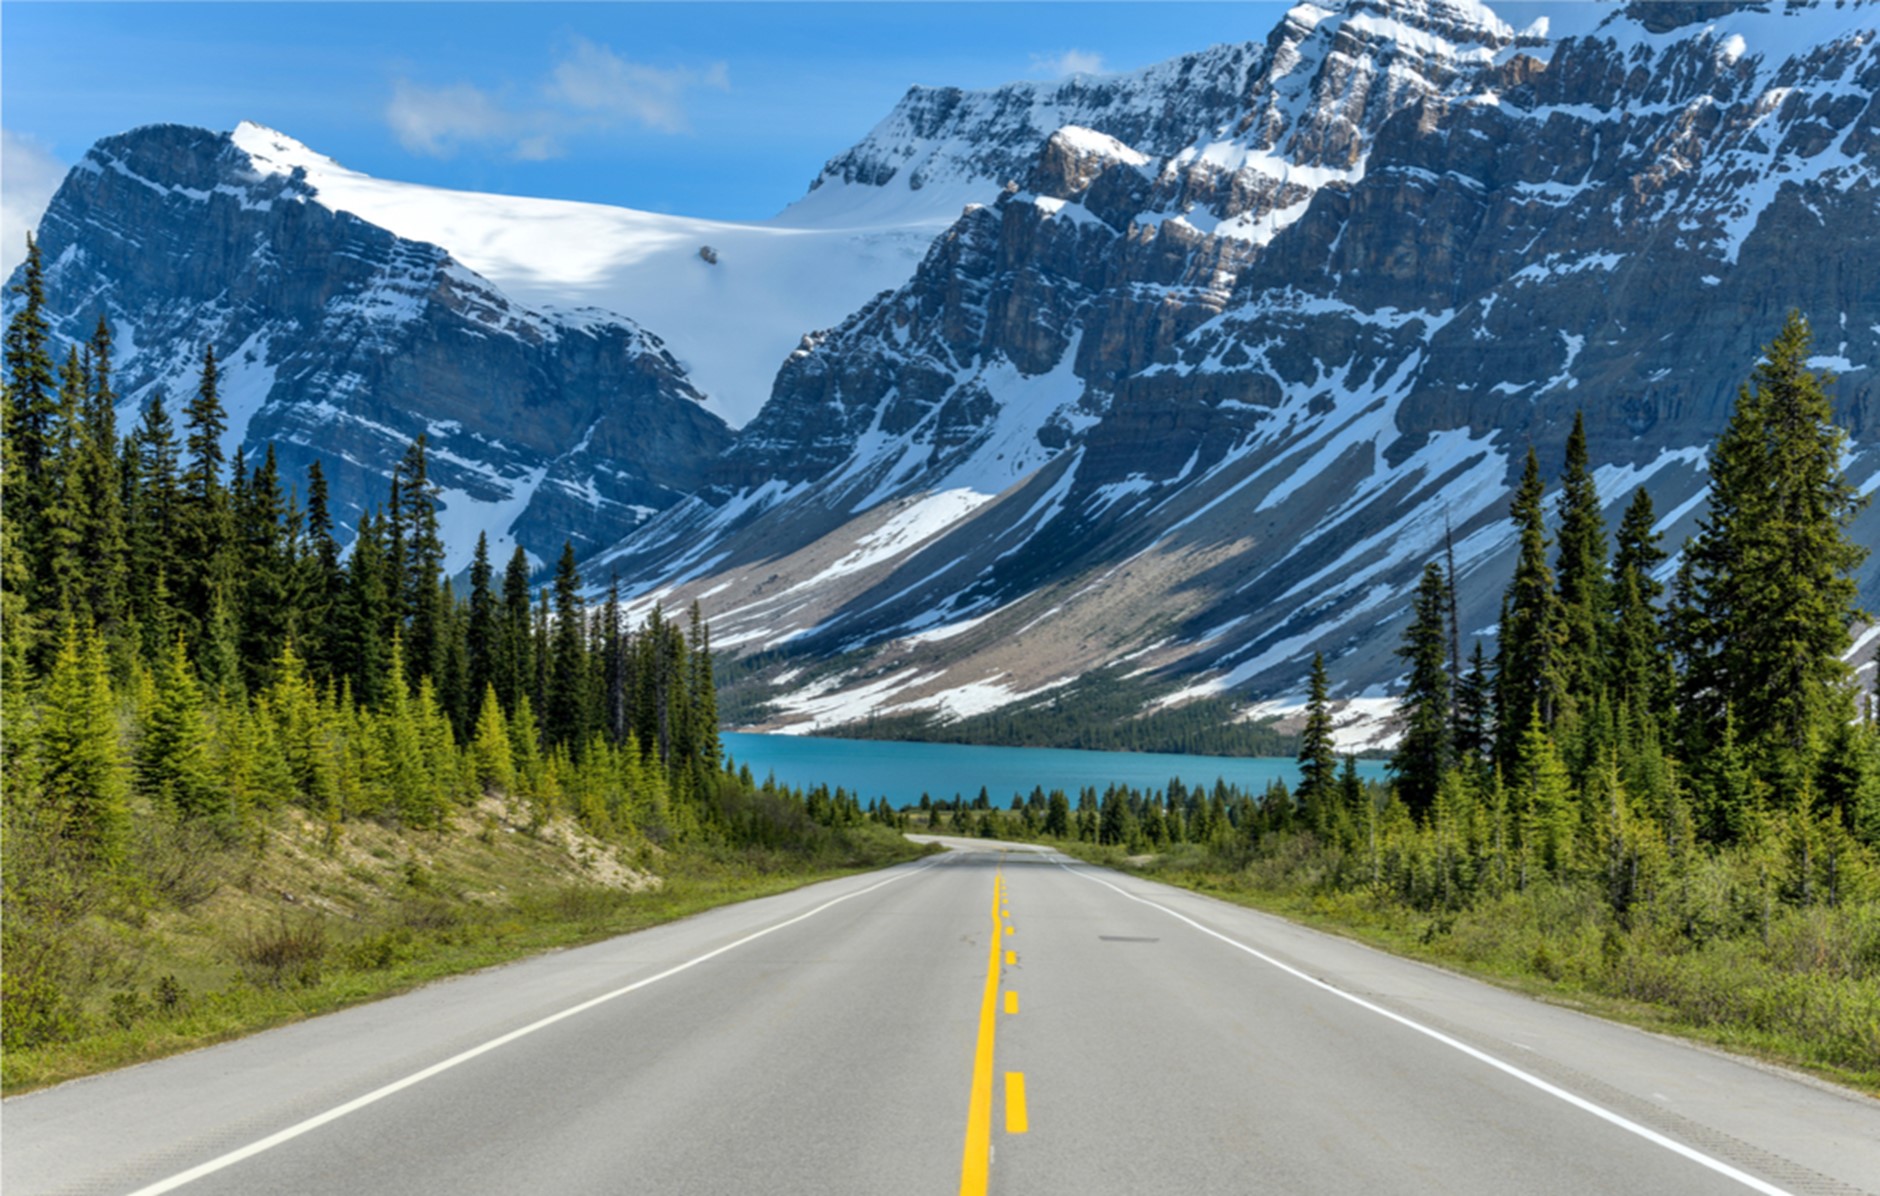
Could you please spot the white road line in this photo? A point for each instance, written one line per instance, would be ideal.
(1600, 1111)
(418, 1077)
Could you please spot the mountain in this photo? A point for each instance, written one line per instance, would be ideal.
(1195, 409)
(1172, 377)
(353, 314)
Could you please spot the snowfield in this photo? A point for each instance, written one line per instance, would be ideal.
(730, 323)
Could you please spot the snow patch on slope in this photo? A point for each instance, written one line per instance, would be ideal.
(730, 323)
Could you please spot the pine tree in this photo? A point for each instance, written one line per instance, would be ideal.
(204, 523)
(1640, 667)
(492, 756)
(1581, 574)
(15, 616)
(100, 489)
(1425, 753)
(514, 662)
(423, 563)
(406, 778)
(153, 528)
(566, 722)
(359, 635)
(616, 680)
(453, 680)
(57, 573)
(323, 580)
(264, 577)
(1765, 598)
(1543, 803)
(34, 405)
(220, 655)
(172, 759)
(481, 631)
(1318, 761)
(1474, 731)
(304, 726)
(1528, 673)
(81, 766)
(706, 751)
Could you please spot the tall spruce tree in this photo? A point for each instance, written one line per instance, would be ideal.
(1529, 669)
(1766, 597)
(702, 697)
(81, 766)
(480, 629)
(204, 523)
(172, 761)
(100, 489)
(566, 721)
(424, 562)
(322, 579)
(154, 571)
(616, 648)
(1425, 752)
(1474, 728)
(265, 578)
(57, 575)
(1318, 759)
(514, 661)
(1639, 662)
(361, 644)
(34, 406)
(1581, 574)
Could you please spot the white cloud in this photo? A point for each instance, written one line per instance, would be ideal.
(436, 120)
(594, 79)
(1070, 62)
(28, 177)
(591, 88)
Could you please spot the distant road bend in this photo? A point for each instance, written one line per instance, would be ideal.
(998, 1019)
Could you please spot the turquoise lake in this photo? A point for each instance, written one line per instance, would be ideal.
(901, 772)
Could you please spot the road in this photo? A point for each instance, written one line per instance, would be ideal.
(995, 1019)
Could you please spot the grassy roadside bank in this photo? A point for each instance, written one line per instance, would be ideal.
(1804, 994)
(304, 918)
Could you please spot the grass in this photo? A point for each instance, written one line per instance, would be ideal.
(1803, 994)
(307, 920)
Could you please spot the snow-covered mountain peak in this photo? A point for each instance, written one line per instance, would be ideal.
(274, 152)
(737, 297)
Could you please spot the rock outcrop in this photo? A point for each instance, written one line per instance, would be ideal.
(342, 342)
(1209, 405)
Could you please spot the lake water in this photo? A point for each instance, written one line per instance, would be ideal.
(901, 771)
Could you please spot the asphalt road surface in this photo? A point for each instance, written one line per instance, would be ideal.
(997, 1019)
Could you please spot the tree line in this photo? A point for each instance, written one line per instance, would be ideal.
(1687, 747)
(153, 565)
(1622, 724)
(186, 647)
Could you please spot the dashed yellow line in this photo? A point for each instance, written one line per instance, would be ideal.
(1011, 957)
(1017, 1116)
(1011, 1001)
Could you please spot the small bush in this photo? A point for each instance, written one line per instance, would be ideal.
(183, 863)
(290, 951)
(376, 952)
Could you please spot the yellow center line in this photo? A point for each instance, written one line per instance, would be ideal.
(1017, 1117)
(976, 1157)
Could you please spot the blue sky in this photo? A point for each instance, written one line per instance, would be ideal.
(711, 109)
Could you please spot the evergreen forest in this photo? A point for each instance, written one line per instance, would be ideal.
(193, 667)
(1660, 788)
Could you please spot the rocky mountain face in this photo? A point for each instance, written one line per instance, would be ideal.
(342, 342)
(1216, 357)
(1224, 364)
